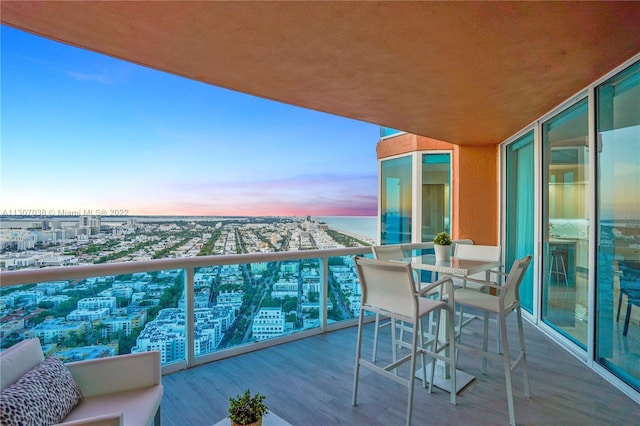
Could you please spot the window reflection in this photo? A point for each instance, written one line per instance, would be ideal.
(395, 199)
(618, 273)
(566, 248)
(436, 195)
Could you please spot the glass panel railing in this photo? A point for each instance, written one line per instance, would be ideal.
(254, 302)
(164, 328)
(386, 132)
(344, 290)
(266, 297)
(98, 317)
(219, 300)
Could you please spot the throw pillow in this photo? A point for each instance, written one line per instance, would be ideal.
(43, 396)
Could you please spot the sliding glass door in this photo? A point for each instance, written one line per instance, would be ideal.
(565, 248)
(520, 209)
(618, 209)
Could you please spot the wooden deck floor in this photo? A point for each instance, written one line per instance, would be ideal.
(310, 381)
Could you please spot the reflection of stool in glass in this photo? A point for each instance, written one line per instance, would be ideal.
(557, 267)
(631, 288)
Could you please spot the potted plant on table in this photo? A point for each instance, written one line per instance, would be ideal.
(442, 246)
(245, 409)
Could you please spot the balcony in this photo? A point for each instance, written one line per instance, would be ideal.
(309, 381)
(307, 374)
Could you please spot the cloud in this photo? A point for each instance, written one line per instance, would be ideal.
(316, 195)
(110, 75)
(80, 76)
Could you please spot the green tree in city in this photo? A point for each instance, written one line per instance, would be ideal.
(46, 304)
(346, 240)
(171, 295)
(125, 343)
(291, 317)
(152, 312)
(268, 302)
(42, 315)
(73, 340)
(65, 308)
(98, 329)
(290, 304)
(336, 261)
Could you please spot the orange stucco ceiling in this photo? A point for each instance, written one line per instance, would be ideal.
(464, 72)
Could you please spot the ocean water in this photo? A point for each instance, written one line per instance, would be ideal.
(366, 226)
(361, 225)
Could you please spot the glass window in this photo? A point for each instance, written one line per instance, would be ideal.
(618, 207)
(436, 195)
(520, 237)
(395, 199)
(565, 256)
(386, 132)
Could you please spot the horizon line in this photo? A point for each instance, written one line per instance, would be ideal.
(4, 217)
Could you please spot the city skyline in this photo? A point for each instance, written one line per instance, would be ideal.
(84, 131)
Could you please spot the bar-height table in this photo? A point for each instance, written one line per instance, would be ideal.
(453, 266)
(460, 268)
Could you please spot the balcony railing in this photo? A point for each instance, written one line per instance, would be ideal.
(170, 304)
(386, 132)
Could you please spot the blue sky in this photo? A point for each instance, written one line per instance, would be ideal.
(83, 131)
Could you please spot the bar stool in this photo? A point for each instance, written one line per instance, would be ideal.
(389, 289)
(557, 267)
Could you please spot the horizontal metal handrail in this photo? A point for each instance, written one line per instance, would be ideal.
(59, 273)
(30, 276)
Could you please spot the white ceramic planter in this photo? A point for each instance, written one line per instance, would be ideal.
(443, 253)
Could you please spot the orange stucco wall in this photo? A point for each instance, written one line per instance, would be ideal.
(474, 193)
(477, 205)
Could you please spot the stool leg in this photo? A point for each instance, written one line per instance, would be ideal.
(525, 367)
(550, 269)
(358, 353)
(564, 272)
(375, 338)
(394, 341)
(507, 370)
(485, 341)
(619, 306)
(626, 320)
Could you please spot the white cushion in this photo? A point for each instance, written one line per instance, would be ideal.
(114, 419)
(138, 406)
(484, 301)
(19, 359)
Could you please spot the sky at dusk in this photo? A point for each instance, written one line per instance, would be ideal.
(84, 131)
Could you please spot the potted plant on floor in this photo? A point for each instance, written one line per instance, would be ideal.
(442, 246)
(245, 409)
